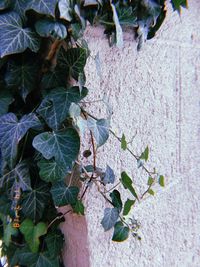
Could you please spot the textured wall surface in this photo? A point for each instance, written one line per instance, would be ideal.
(155, 96)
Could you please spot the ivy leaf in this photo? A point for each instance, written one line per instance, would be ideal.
(161, 181)
(127, 206)
(8, 232)
(47, 28)
(126, 16)
(20, 7)
(55, 78)
(12, 131)
(63, 145)
(127, 183)
(100, 130)
(116, 199)
(50, 171)
(110, 217)
(150, 181)
(32, 233)
(22, 75)
(46, 7)
(123, 142)
(55, 107)
(4, 4)
(63, 195)
(145, 154)
(121, 232)
(119, 33)
(54, 242)
(15, 39)
(18, 176)
(90, 2)
(65, 9)
(151, 192)
(74, 60)
(177, 4)
(5, 100)
(109, 176)
(35, 201)
(79, 207)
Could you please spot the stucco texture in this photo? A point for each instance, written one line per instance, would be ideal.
(155, 97)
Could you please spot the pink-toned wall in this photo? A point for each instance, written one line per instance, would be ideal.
(155, 95)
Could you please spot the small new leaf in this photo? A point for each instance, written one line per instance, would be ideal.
(127, 183)
(79, 207)
(151, 192)
(123, 142)
(145, 154)
(161, 180)
(127, 206)
(116, 200)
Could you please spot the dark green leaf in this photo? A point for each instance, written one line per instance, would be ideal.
(47, 28)
(145, 154)
(116, 199)
(12, 131)
(79, 207)
(100, 130)
(127, 206)
(35, 201)
(22, 75)
(161, 180)
(63, 195)
(127, 183)
(8, 232)
(4, 4)
(14, 38)
(109, 176)
(123, 142)
(54, 78)
(5, 100)
(177, 4)
(32, 233)
(110, 217)
(63, 145)
(54, 242)
(50, 171)
(121, 232)
(74, 60)
(126, 16)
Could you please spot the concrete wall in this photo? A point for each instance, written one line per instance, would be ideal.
(155, 95)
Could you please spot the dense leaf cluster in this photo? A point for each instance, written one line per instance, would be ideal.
(42, 60)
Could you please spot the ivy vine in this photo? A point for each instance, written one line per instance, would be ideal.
(42, 120)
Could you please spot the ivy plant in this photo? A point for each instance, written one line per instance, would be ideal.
(42, 121)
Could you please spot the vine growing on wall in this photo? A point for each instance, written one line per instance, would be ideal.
(42, 122)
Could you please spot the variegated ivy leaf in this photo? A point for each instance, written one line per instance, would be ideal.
(19, 176)
(22, 75)
(100, 130)
(64, 195)
(46, 7)
(47, 28)
(5, 100)
(13, 37)
(35, 201)
(55, 106)
(63, 145)
(74, 60)
(65, 9)
(12, 131)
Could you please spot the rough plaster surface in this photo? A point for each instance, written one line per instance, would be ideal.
(155, 97)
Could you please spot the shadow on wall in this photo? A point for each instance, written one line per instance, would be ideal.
(75, 231)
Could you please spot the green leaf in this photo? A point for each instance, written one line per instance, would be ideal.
(18, 176)
(8, 232)
(121, 232)
(12, 131)
(127, 183)
(119, 33)
(32, 233)
(150, 181)
(20, 7)
(55, 107)
(54, 242)
(15, 39)
(4, 4)
(151, 192)
(127, 206)
(110, 217)
(50, 171)
(79, 207)
(63, 195)
(47, 28)
(161, 180)
(5, 100)
(116, 199)
(46, 7)
(74, 60)
(63, 145)
(65, 9)
(35, 201)
(145, 154)
(177, 4)
(54, 78)
(100, 130)
(123, 142)
(126, 16)
(22, 75)
(109, 176)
